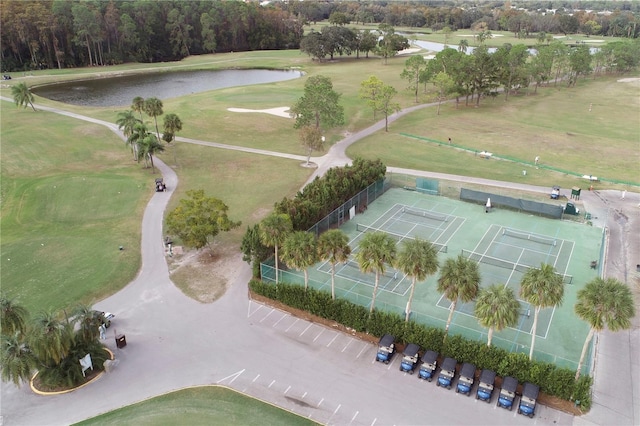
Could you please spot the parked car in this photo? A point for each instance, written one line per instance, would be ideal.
(410, 359)
(507, 393)
(447, 372)
(160, 186)
(528, 401)
(485, 385)
(428, 366)
(467, 376)
(386, 348)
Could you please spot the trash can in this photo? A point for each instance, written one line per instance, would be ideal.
(121, 341)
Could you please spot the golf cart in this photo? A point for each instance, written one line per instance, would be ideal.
(428, 366)
(410, 358)
(485, 387)
(467, 375)
(528, 401)
(507, 393)
(386, 348)
(160, 186)
(447, 372)
(555, 192)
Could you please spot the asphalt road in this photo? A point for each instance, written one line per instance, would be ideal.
(174, 342)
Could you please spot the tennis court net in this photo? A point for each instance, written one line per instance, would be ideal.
(501, 263)
(527, 236)
(389, 272)
(442, 248)
(425, 213)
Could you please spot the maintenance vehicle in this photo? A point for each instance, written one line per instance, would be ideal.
(466, 378)
(411, 355)
(485, 385)
(528, 401)
(428, 366)
(386, 348)
(507, 393)
(447, 372)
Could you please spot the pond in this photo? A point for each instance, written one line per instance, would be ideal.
(120, 91)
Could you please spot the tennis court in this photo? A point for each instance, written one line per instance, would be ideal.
(504, 243)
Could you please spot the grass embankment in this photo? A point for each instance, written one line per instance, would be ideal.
(208, 405)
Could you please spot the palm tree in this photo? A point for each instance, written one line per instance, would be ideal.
(418, 259)
(89, 323)
(18, 361)
(604, 302)
(172, 125)
(300, 251)
(274, 229)
(543, 288)
(463, 45)
(137, 105)
(22, 95)
(333, 246)
(13, 317)
(153, 108)
(375, 251)
(459, 280)
(50, 339)
(138, 133)
(150, 146)
(497, 308)
(126, 122)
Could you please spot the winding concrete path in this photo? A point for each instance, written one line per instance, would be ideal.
(175, 342)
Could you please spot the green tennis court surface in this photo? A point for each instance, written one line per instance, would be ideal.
(504, 243)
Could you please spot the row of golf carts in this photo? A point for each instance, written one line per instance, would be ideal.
(427, 365)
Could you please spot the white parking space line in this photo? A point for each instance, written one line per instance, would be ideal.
(374, 421)
(305, 330)
(231, 376)
(332, 340)
(249, 313)
(354, 416)
(319, 334)
(256, 378)
(289, 387)
(364, 348)
(303, 395)
(337, 408)
(267, 316)
(320, 402)
(347, 345)
(281, 318)
(294, 323)
(271, 384)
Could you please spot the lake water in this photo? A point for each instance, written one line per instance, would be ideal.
(120, 91)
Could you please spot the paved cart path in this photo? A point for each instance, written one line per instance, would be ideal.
(175, 342)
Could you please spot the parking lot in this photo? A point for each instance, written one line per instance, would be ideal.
(387, 396)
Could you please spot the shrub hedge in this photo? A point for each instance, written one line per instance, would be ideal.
(553, 381)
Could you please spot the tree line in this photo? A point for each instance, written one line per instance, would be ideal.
(64, 34)
(41, 34)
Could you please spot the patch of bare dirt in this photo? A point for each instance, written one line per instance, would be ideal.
(204, 275)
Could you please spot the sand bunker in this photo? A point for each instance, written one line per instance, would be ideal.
(629, 80)
(280, 111)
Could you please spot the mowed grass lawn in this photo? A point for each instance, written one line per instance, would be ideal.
(211, 405)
